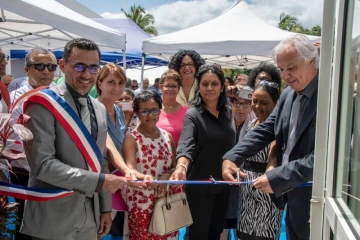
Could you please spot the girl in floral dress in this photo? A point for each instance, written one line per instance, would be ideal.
(151, 151)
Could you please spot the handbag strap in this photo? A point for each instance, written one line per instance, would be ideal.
(167, 193)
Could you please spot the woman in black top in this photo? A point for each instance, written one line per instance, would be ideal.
(206, 136)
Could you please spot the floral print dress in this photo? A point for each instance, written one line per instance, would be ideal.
(153, 157)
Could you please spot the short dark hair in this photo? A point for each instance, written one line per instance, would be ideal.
(145, 96)
(171, 74)
(37, 51)
(268, 68)
(197, 102)
(81, 43)
(175, 61)
(272, 88)
(130, 92)
(157, 80)
(231, 81)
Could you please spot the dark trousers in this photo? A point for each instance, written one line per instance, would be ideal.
(117, 225)
(21, 178)
(209, 214)
(290, 232)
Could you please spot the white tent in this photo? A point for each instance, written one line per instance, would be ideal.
(25, 24)
(236, 38)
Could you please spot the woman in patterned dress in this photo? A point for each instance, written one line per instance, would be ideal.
(259, 218)
(151, 151)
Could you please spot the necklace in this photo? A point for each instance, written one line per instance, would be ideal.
(170, 107)
(151, 136)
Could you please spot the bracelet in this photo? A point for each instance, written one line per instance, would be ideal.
(182, 165)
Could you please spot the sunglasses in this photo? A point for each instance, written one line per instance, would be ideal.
(153, 111)
(270, 84)
(41, 66)
(4, 56)
(80, 67)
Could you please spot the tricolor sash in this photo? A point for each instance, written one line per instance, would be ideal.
(73, 125)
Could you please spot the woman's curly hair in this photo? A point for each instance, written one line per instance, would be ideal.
(176, 59)
(268, 68)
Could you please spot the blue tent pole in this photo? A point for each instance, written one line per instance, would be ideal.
(142, 67)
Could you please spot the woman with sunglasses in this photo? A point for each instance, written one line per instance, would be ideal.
(149, 150)
(187, 63)
(207, 134)
(259, 218)
(173, 113)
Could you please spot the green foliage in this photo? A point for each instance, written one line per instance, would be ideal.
(144, 20)
(291, 23)
(233, 73)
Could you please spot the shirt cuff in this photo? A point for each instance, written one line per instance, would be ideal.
(100, 182)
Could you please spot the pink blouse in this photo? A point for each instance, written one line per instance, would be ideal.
(173, 123)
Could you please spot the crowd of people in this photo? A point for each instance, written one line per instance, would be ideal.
(193, 123)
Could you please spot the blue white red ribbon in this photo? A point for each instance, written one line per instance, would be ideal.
(72, 124)
(34, 194)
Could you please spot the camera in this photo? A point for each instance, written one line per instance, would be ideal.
(245, 92)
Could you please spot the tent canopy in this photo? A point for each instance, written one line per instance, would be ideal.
(25, 24)
(236, 38)
(134, 36)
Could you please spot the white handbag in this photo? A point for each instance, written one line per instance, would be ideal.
(171, 213)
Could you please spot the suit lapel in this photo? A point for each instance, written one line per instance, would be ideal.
(287, 113)
(306, 117)
(65, 94)
(100, 118)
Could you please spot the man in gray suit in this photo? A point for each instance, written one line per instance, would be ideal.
(56, 162)
(292, 125)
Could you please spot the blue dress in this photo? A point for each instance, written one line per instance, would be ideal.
(117, 134)
(117, 131)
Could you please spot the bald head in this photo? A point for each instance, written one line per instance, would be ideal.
(145, 84)
(242, 79)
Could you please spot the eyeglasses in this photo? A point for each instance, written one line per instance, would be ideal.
(4, 56)
(153, 111)
(41, 66)
(171, 86)
(187, 65)
(237, 104)
(134, 86)
(270, 84)
(80, 67)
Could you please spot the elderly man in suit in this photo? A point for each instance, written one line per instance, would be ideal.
(292, 125)
(56, 161)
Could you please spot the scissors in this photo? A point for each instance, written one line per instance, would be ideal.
(238, 175)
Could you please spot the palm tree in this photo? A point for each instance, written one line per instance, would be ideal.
(287, 22)
(142, 19)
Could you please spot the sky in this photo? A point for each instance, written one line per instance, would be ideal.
(172, 15)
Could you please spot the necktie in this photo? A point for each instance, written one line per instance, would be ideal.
(84, 113)
(294, 118)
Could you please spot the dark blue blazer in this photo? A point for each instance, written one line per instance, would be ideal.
(285, 180)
